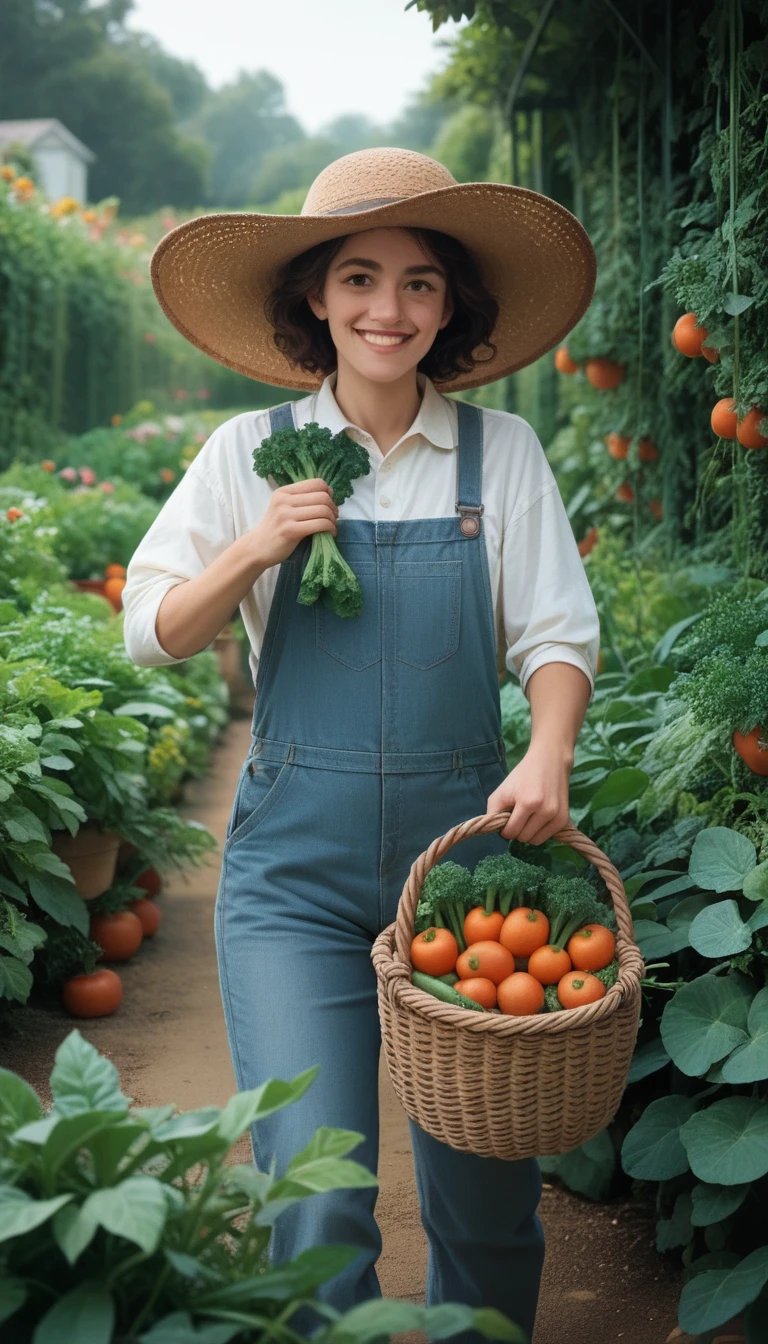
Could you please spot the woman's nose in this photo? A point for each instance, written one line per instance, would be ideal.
(384, 305)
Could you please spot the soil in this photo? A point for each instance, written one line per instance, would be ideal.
(603, 1279)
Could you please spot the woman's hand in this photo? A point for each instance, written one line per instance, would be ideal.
(294, 512)
(536, 793)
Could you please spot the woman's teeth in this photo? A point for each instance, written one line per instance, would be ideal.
(374, 339)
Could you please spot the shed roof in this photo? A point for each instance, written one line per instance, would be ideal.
(30, 131)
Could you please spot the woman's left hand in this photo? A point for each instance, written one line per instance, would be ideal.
(536, 793)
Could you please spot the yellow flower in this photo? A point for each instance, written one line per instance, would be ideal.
(7, 173)
(24, 187)
(136, 239)
(89, 216)
(117, 419)
(67, 205)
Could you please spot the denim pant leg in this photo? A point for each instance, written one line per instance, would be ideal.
(299, 989)
(486, 1241)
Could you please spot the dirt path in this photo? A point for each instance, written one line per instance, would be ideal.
(169, 1044)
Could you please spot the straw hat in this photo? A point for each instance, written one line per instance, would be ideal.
(212, 274)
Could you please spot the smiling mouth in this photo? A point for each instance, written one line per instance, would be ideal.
(382, 341)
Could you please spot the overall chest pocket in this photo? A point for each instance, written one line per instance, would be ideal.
(354, 641)
(427, 611)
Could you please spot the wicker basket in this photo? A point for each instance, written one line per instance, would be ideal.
(500, 1086)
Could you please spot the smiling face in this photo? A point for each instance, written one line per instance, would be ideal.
(385, 300)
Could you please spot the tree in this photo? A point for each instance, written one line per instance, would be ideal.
(465, 142)
(241, 122)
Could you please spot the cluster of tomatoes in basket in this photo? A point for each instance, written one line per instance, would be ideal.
(551, 952)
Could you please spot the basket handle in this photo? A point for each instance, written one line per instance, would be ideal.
(628, 952)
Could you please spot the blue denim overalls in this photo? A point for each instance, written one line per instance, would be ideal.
(371, 736)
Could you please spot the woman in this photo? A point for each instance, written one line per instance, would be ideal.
(374, 734)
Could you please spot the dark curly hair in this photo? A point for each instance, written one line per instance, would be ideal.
(306, 341)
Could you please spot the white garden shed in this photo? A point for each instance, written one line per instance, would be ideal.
(60, 158)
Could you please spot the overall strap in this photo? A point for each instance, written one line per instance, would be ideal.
(469, 471)
(281, 417)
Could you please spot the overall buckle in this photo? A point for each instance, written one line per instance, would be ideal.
(470, 518)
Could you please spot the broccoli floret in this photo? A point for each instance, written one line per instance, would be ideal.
(501, 880)
(291, 455)
(445, 899)
(551, 1001)
(570, 903)
(609, 974)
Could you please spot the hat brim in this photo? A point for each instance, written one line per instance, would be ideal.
(212, 274)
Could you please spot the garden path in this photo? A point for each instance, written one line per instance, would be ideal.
(603, 1281)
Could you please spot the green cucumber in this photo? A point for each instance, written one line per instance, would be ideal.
(450, 979)
(442, 991)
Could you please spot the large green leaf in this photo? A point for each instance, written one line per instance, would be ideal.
(299, 1277)
(72, 1133)
(242, 1110)
(145, 707)
(705, 1020)
(73, 1230)
(83, 1080)
(588, 1169)
(652, 1150)
(647, 1059)
(621, 786)
(756, 883)
(15, 979)
(711, 1298)
(85, 1314)
(712, 1203)
(13, 1294)
(656, 940)
(179, 1328)
(19, 1104)
(135, 1209)
(748, 1063)
(677, 1230)
(19, 1213)
(59, 899)
(384, 1317)
(719, 931)
(727, 1142)
(721, 859)
(323, 1173)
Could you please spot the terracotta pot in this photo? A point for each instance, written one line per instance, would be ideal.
(91, 857)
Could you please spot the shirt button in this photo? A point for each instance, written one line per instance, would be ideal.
(385, 502)
(385, 466)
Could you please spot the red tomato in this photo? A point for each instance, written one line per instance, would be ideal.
(94, 995)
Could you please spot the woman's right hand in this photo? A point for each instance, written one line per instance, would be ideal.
(294, 511)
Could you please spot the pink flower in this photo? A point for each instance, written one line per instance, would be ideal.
(150, 337)
(200, 438)
(168, 221)
(87, 476)
(68, 474)
(180, 394)
(203, 394)
(107, 487)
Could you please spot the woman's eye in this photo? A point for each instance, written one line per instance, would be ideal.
(356, 277)
(421, 282)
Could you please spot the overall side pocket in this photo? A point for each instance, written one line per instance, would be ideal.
(260, 787)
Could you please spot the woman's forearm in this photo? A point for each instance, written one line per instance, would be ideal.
(559, 694)
(193, 613)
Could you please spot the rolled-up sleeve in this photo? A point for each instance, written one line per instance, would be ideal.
(193, 527)
(549, 612)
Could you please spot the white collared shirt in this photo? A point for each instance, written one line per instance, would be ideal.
(543, 604)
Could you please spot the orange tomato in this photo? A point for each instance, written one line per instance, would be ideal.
(604, 374)
(119, 935)
(483, 991)
(114, 572)
(147, 914)
(479, 925)
(563, 361)
(753, 749)
(600, 662)
(747, 431)
(723, 418)
(150, 881)
(625, 493)
(434, 951)
(647, 450)
(93, 995)
(687, 337)
(710, 354)
(578, 987)
(618, 445)
(489, 960)
(549, 964)
(520, 994)
(591, 948)
(13, 514)
(657, 509)
(113, 589)
(524, 930)
(589, 541)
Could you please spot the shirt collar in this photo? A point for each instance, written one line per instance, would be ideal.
(436, 418)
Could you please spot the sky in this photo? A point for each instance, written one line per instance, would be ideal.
(332, 56)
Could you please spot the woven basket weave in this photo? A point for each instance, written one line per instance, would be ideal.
(501, 1086)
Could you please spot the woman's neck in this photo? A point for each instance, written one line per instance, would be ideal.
(386, 411)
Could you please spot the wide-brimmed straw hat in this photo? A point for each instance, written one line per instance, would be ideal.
(213, 273)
